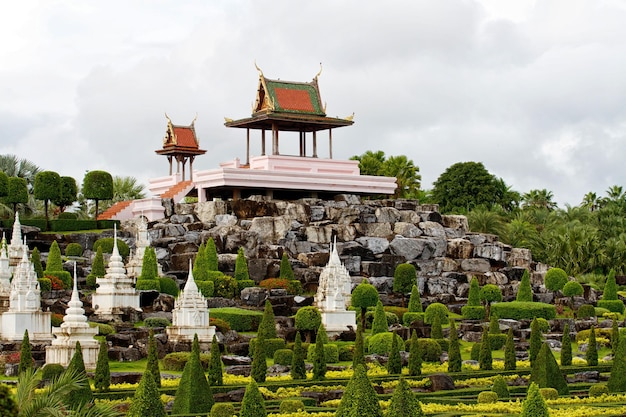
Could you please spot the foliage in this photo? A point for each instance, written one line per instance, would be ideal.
(97, 185)
(473, 297)
(252, 404)
(51, 371)
(82, 396)
(566, 347)
(454, 351)
(308, 318)
(225, 286)
(415, 303)
(394, 363)
(146, 401)
(153, 359)
(403, 402)
(35, 258)
(283, 357)
(222, 410)
(194, 393)
(54, 262)
(211, 255)
(404, 278)
(26, 357)
(8, 407)
(319, 360)
(241, 266)
(405, 171)
(598, 390)
(615, 306)
(586, 311)
(359, 397)
(572, 289)
(156, 322)
(546, 373)
(436, 331)
(379, 325)
(206, 288)
(500, 387)
(485, 359)
(298, 370)
(524, 291)
(614, 336)
(536, 340)
(150, 267)
(47, 187)
(148, 285)
(45, 284)
(410, 317)
(363, 296)
(68, 191)
(473, 312)
(592, 349)
(519, 310)
(168, 286)
(4, 184)
(74, 249)
(610, 288)
(242, 320)
(200, 268)
(286, 272)
(97, 268)
(176, 361)
(215, 374)
(617, 379)
(267, 327)
(490, 293)
(359, 347)
(102, 375)
(17, 192)
(415, 356)
(269, 346)
(259, 361)
(436, 309)
(106, 243)
(487, 397)
(534, 405)
(380, 343)
(555, 279)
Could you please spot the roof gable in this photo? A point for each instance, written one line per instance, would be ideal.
(180, 136)
(288, 97)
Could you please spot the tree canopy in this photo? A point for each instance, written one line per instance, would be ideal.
(406, 172)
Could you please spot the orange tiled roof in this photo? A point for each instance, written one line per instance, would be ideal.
(185, 136)
(297, 100)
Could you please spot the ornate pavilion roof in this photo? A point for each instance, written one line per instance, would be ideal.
(292, 105)
(180, 140)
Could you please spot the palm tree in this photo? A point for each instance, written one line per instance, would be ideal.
(370, 163)
(506, 197)
(406, 174)
(485, 221)
(615, 193)
(51, 401)
(16, 167)
(539, 199)
(591, 201)
(124, 189)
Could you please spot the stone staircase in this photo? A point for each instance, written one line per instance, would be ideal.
(114, 210)
(178, 191)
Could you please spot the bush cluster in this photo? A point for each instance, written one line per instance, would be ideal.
(519, 310)
(586, 311)
(74, 249)
(156, 322)
(283, 357)
(331, 353)
(222, 326)
(270, 345)
(473, 312)
(238, 319)
(380, 343)
(597, 390)
(45, 284)
(106, 244)
(103, 328)
(487, 397)
(222, 410)
(291, 406)
(168, 286)
(176, 361)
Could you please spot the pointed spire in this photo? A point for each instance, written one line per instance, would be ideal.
(75, 313)
(190, 285)
(115, 249)
(334, 256)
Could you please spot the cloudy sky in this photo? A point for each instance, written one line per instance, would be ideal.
(536, 90)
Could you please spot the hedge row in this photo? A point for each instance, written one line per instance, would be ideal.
(63, 225)
(519, 310)
(238, 319)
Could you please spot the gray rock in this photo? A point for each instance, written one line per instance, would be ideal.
(441, 382)
(374, 229)
(456, 222)
(387, 215)
(475, 265)
(254, 296)
(406, 229)
(182, 218)
(207, 211)
(408, 248)
(494, 251)
(376, 244)
(382, 284)
(235, 360)
(225, 220)
(459, 249)
(432, 229)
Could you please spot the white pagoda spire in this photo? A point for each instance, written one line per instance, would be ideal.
(75, 313)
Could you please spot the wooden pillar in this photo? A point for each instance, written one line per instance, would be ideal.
(263, 142)
(275, 150)
(248, 146)
(314, 144)
(304, 143)
(301, 143)
(169, 158)
(330, 143)
(191, 158)
(184, 162)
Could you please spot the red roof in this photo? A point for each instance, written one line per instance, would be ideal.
(185, 137)
(297, 100)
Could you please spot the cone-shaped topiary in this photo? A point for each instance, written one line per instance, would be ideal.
(610, 287)
(210, 254)
(298, 369)
(102, 375)
(359, 348)
(241, 266)
(379, 325)
(267, 326)
(473, 298)
(455, 361)
(524, 291)
(253, 404)
(200, 268)
(394, 364)
(286, 272)
(215, 372)
(403, 402)
(35, 258)
(566, 347)
(614, 336)
(536, 340)
(534, 405)
(436, 332)
(259, 361)
(321, 334)
(500, 387)
(54, 263)
(319, 360)
(546, 372)
(26, 356)
(617, 380)
(359, 398)
(592, 350)
(510, 359)
(404, 277)
(193, 394)
(415, 356)
(147, 400)
(82, 396)
(485, 359)
(415, 302)
(153, 359)
(149, 267)
(97, 269)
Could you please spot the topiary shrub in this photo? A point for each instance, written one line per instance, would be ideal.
(411, 317)
(274, 283)
(222, 410)
(615, 306)
(283, 357)
(239, 319)
(519, 310)
(497, 341)
(487, 397)
(45, 284)
(168, 286)
(295, 287)
(206, 288)
(103, 328)
(473, 312)
(176, 361)
(346, 353)
(380, 343)
(221, 325)
(286, 271)
(64, 277)
(436, 309)
(586, 311)
(398, 311)
(475, 352)
(51, 371)
(549, 393)
(415, 302)
(156, 322)
(225, 286)
(67, 215)
(597, 390)
(148, 285)
(404, 277)
(555, 279)
(500, 387)
(331, 353)
(245, 283)
(106, 244)
(291, 406)
(270, 345)
(74, 249)
(56, 319)
(543, 325)
(308, 318)
(430, 350)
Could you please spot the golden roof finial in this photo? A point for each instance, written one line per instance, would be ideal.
(319, 73)
(258, 69)
(194, 119)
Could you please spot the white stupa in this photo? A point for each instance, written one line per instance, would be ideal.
(16, 247)
(5, 268)
(24, 311)
(333, 295)
(190, 315)
(73, 329)
(142, 241)
(116, 289)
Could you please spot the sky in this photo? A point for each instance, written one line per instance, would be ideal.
(533, 89)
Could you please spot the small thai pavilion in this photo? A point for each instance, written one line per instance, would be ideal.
(181, 145)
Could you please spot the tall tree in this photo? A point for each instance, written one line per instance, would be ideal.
(394, 364)
(298, 369)
(26, 357)
(359, 348)
(363, 296)
(82, 396)
(566, 347)
(216, 369)
(406, 173)
(403, 402)
(463, 186)
(67, 194)
(359, 398)
(592, 349)
(455, 362)
(17, 192)
(319, 360)
(253, 404)
(97, 186)
(370, 163)
(539, 199)
(153, 359)
(13, 166)
(102, 375)
(536, 340)
(509, 352)
(146, 401)
(415, 356)
(47, 188)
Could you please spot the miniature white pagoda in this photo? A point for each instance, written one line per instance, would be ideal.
(16, 247)
(334, 295)
(190, 315)
(73, 329)
(24, 311)
(142, 241)
(5, 276)
(116, 289)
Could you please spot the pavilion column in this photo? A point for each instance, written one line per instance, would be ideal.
(169, 158)
(248, 146)
(304, 143)
(191, 167)
(184, 162)
(314, 144)
(301, 143)
(263, 142)
(275, 150)
(330, 143)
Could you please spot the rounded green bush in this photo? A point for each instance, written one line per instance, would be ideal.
(103, 328)
(91, 281)
(549, 393)
(271, 346)
(148, 285)
(544, 325)
(487, 397)
(436, 309)
(404, 277)
(225, 286)
(169, 286)
(410, 317)
(206, 288)
(283, 357)
(473, 312)
(45, 284)
(380, 343)
(497, 341)
(475, 352)
(586, 311)
(294, 287)
(106, 244)
(74, 249)
(222, 410)
(597, 390)
(245, 283)
(156, 322)
(291, 406)
(176, 361)
(51, 371)
(67, 215)
(308, 318)
(555, 279)
(331, 353)
(346, 353)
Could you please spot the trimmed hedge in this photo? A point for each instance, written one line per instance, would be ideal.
(519, 310)
(380, 343)
(497, 341)
(52, 370)
(615, 306)
(206, 288)
(156, 322)
(473, 312)
(74, 249)
(176, 361)
(289, 406)
(271, 346)
(221, 325)
(487, 397)
(283, 357)
(148, 285)
(168, 286)
(409, 317)
(103, 328)
(238, 319)
(68, 225)
(331, 353)
(586, 311)
(45, 284)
